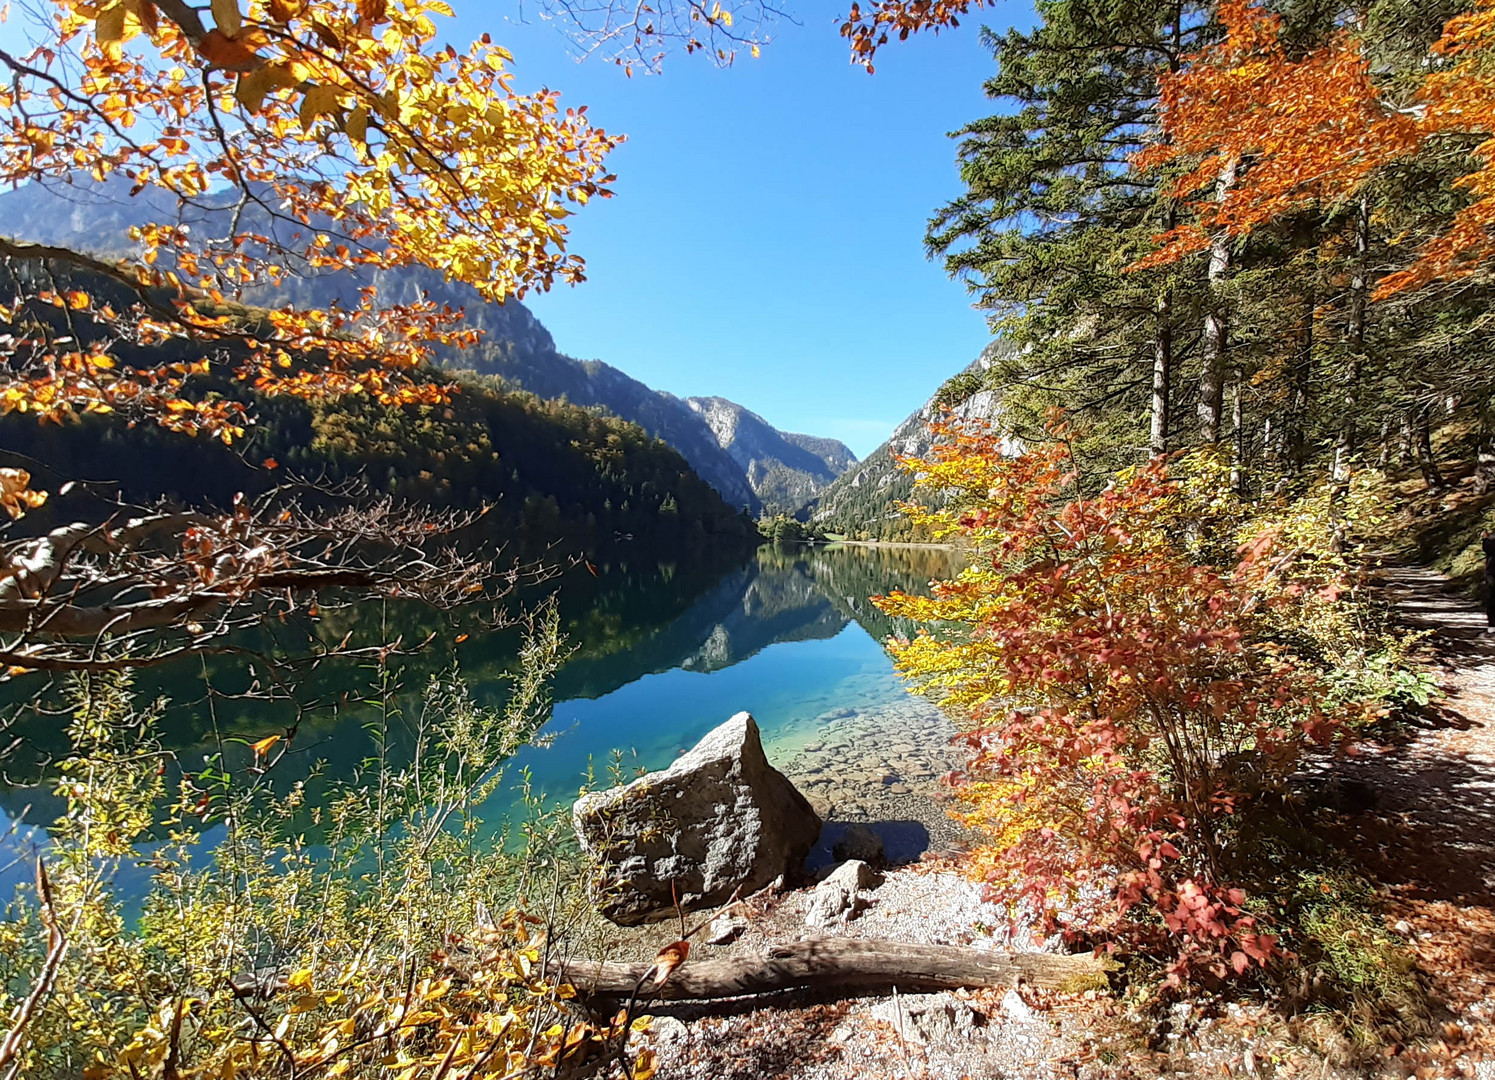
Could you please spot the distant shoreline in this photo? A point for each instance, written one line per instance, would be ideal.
(884, 544)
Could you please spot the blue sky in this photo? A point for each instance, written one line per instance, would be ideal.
(765, 241)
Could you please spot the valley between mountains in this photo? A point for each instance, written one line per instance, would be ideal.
(751, 464)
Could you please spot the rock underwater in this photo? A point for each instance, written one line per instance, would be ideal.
(720, 819)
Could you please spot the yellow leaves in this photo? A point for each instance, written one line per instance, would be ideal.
(109, 27)
(261, 747)
(300, 980)
(16, 496)
(357, 125)
(321, 100)
(227, 18)
(252, 87)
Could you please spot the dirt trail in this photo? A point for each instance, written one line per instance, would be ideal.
(1426, 827)
(1434, 794)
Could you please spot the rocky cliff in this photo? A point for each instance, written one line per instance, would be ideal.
(785, 469)
(863, 502)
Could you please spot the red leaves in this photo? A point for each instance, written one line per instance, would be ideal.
(1144, 685)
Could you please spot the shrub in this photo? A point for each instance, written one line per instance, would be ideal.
(368, 950)
(1122, 707)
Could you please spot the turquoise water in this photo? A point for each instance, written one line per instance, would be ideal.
(790, 688)
(663, 653)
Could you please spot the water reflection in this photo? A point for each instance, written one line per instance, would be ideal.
(662, 653)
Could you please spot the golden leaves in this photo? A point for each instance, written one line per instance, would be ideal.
(230, 54)
(251, 88)
(227, 18)
(16, 496)
(283, 98)
(318, 101)
(109, 27)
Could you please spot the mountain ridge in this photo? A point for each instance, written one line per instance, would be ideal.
(862, 503)
(515, 346)
(785, 468)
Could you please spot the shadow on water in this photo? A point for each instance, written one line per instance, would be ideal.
(902, 842)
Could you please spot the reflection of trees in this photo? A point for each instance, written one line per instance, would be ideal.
(633, 618)
(847, 576)
(611, 614)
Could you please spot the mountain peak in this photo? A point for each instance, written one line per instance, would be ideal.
(786, 469)
(515, 346)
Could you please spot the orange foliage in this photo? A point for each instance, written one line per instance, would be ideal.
(1122, 711)
(1314, 129)
(868, 30)
(336, 135)
(1460, 99)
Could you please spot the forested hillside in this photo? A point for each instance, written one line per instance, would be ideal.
(514, 345)
(863, 503)
(559, 477)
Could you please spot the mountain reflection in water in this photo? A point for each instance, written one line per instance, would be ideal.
(662, 653)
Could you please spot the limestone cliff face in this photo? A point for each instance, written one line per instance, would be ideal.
(863, 502)
(785, 469)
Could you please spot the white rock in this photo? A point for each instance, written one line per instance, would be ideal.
(667, 1031)
(1016, 1008)
(724, 928)
(925, 1018)
(835, 900)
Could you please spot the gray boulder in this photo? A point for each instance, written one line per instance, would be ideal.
(719, 820)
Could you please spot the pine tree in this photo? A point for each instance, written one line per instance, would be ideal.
(1054, 213)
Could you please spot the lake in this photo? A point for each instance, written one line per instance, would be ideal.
(663, 652)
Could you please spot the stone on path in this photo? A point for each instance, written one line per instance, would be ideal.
(928, 1018)
(719, 820)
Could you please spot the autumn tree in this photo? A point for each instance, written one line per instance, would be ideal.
(1338, 135)
(1121, 704)
(280, 140)
(1051, 210)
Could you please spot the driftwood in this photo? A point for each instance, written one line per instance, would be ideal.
(849, 965)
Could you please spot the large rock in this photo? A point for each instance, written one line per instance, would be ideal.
(719, 820)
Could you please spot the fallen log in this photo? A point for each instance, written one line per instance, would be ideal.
(850, 965)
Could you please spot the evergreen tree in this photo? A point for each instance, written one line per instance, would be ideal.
(1054, 214)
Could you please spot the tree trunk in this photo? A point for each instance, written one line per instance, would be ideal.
(1237, 431)
(1346, 445)
(1302, 379)
(849, 966)
(1162, 372)
(1216, 332)
(1484, 452)
(1162, 360)
(1426, 462)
